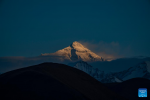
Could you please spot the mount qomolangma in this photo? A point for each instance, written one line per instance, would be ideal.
(76, 51)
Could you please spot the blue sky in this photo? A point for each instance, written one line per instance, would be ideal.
(120, 28)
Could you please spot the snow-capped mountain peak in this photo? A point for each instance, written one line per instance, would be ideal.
(79, 47)
(76, 51)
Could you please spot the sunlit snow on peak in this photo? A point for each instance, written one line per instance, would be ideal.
(76, 51)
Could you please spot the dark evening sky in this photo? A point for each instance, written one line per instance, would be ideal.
(117, 28)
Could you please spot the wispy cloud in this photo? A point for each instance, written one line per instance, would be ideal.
(110, 50)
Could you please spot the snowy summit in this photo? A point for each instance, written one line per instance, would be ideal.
(76, 51)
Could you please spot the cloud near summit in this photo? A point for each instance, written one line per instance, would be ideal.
(111, 50)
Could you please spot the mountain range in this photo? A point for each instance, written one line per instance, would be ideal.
(80, 57)
(141, 70)
(52, 81)
(58, 82)
(73, 53)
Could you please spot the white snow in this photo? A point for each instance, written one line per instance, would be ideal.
(96, 73)
(117, 80)
(84, 67)
(134, 72)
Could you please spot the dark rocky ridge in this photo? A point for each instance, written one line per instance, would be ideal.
(129, 88)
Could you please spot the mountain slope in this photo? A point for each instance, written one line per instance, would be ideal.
(129, 88)
(141, 70)
(54, 82)
(76, 51)
(94, 72)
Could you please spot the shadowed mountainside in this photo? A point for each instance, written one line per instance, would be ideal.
(55, 82)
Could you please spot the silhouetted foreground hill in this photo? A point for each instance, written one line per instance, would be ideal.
(51, 81)
(129, 88)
